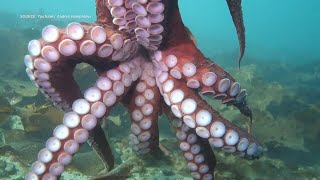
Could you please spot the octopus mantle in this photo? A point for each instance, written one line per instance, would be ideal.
(146, 59)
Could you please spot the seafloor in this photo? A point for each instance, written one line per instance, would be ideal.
(284, 97)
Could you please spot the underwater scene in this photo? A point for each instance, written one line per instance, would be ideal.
(160, 90)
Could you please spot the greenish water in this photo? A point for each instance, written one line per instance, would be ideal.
(274, 28)
(280, 70)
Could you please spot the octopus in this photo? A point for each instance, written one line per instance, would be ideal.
(146, 59)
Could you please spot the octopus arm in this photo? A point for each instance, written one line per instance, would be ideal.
(184, 62)
(196, 150)
(144, 111)
(86, 113)
(207, 122)
(236, 13)
(53, 58)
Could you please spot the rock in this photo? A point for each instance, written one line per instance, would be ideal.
(15, 122)
(11, 166)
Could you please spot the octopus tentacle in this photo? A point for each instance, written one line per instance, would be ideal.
(236, 13)
(208, 123)
(144, 111)
(187, 64)
(197, 151)
(142, 19)
(210, 76)
(53, 58)
(182, 60)
(86, 113)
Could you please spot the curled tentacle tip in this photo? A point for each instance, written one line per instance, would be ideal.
(240, 59)
(250, 125)
(242, 48)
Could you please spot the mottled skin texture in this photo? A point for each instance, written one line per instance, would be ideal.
(152, 66)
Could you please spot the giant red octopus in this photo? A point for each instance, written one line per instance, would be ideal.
(147, 60)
